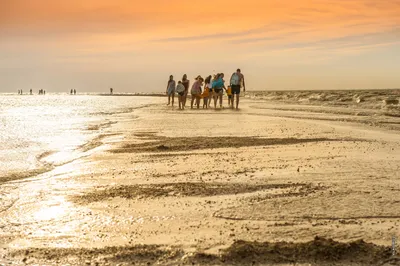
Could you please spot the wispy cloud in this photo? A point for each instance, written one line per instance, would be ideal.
(221, 35)
(232, 35)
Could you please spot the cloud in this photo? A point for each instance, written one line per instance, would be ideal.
(232, 35)
(220, 35)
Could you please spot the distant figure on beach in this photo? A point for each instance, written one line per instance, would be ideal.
(170, 91)
(19, 92)
(111, 91)
(218, 87)
(196, 91)
(44, 92)
(180, 89)
(236, 82)
(206, 92)
(74, 92)
(185, 83)
(71, 92)
(30, 91)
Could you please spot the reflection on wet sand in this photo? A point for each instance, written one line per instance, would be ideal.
(248, 186)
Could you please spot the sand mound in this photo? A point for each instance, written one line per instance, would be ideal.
(138, 254)
(179, 189)
(175, 144)
(319, 251)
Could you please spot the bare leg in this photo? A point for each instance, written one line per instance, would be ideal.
(220, 101)
(198, 102)
(191, 103)
(173, 99)
(169, 99)
(185, 98)
(215, 100)
(237, 101)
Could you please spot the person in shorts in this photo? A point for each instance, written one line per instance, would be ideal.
(237, 81)
(180, 89)
(170, 91)
(196, 92)
(218, 87)
(186, 83)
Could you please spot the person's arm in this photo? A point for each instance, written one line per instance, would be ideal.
(244, 85)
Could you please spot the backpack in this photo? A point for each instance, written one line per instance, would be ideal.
(235, 79)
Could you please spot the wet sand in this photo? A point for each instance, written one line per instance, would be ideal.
(273, 183)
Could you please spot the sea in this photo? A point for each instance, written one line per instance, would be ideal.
(40, 132)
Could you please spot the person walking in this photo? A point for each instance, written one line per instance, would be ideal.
(186, 84)
(180, 89)
(206, 92)
(170, 91)
(218, 87)
(237, 81)
(196, 91)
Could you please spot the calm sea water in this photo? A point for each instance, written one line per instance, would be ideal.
(38, 132)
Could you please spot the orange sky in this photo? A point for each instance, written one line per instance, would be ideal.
(133, 46)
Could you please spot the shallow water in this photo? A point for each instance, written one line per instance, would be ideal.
(39, 132)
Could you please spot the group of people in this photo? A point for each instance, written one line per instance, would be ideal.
(214, 87)
(41, 92)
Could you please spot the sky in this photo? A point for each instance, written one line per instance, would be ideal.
(133, 46)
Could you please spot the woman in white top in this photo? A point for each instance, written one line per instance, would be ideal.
(180, 89)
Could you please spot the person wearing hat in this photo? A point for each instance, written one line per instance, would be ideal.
(196, 91)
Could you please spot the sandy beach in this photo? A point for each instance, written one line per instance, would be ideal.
(281, 181)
